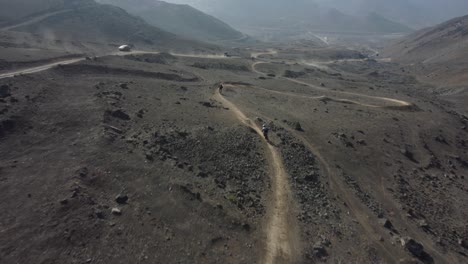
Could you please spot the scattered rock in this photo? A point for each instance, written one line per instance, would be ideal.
(6, 126)
(5, 91)
(141, 113)
(312, 177)
(100, 214)
(423, 224)
(385, 223)
(414, 247)
(116, 211)
(374, 74)
(298, 126)
(113, 129)
(441, 139)
(408, 154)
(120, 114)
(293, 74)
(207, 104)
(463, 243)
(83, 172)
(121, 199)
(319, 250)
(123, 85)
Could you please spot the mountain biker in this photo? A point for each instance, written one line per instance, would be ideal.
(221, 86)
(265, 131)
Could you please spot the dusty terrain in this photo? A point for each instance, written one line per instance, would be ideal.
(139, 158)
(438, 57)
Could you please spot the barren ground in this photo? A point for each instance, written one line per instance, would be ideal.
(361, 157)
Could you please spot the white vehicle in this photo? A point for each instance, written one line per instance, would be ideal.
(125, 48)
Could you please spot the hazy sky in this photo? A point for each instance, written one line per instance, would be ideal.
(440, 8)
(414, 13)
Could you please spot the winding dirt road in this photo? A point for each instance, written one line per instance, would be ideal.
(39, 68)
(283, 238)
(65, 62)
(337, 185)
(282, 230)
(393, 102)
(119, 53)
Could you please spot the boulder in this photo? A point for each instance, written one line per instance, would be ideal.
(319, 250)
(5, 91)
(408, 154)
(120, 114)
(463, 243)
(414, 247)
(385, 223)
(121, 199)
(116, 211)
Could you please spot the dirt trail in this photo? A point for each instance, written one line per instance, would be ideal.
(283, 237)
(260, 53)
(118, 53)
(321, 97)
(357, 209)
(203, 56)
(338, 186)
(396, 102)
(39, 68)
(390, 100)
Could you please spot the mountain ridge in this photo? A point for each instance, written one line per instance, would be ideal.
(183, 20)
(93, 22)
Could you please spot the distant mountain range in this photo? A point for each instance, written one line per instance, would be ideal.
(336, 20)
(183, 20)
(297, 15)
(415, 14)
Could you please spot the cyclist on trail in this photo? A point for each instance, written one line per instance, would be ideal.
(221, 86)
(265, 131)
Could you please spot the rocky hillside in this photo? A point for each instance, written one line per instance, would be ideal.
(182, 20)
(336, 20)
(438, 55)
(441, 43)
(18, 9)
(301, 15)
(89, 21)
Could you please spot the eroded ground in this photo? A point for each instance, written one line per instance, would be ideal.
(361, 159)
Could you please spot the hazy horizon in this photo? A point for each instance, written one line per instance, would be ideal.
(412, 13)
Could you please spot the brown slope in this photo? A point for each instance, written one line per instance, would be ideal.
(441, 43)
(98, 23)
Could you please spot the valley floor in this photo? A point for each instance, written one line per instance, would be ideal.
(140, 158)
